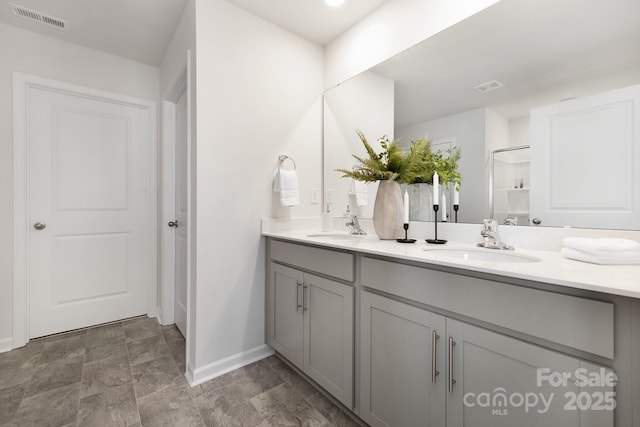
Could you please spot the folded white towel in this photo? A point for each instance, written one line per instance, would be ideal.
(360, 191)
(286, 183)
(603, 246)
(620, 258)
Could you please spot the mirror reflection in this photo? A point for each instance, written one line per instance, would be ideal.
(474, 85)
(509, 185)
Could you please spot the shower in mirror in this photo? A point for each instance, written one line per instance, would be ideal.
(509, 185)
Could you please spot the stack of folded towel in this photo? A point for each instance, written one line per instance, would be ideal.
(286, 183)
(601, 251)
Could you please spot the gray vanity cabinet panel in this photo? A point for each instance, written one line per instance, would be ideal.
(332, 263)
(328, 336)
(491, 372)
(581, 323)
(397, 387)
(287, 314)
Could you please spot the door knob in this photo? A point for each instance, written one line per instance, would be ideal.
(39, 225)
(537, 221)
(173, 223)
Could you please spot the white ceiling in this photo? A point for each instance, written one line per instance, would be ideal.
(311, 19)
(543, 50)
(135, 29)
(142, 29)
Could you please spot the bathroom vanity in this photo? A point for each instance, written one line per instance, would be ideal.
(404, 336)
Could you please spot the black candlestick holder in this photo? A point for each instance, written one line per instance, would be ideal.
(455, 208)
(436, 241)
(405, 240)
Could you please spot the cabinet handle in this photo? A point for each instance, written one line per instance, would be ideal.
(304, 298)
(451, 380)
(298, 305)
(434, 371)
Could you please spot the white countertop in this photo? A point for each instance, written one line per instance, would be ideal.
(553, 268)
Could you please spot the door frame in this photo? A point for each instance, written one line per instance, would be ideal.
(181, 83)
(21, 84)
(167, 234)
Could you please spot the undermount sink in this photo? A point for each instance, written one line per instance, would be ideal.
(336, 235)
(482, 255)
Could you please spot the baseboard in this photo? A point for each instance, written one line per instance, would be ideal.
(6, 344)
(162, 319)
(228, 364)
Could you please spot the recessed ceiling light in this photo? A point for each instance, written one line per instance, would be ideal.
(334, 3)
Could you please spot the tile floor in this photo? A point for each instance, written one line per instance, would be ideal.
(130, 374)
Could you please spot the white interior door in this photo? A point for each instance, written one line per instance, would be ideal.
(180, 297)
(90, 184)
(585, 155)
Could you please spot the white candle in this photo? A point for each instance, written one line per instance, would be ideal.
(456, 195)
(406, 207)
(436, 188)
(444, 207)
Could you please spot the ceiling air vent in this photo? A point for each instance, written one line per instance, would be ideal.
(42, 18)
(488, 86)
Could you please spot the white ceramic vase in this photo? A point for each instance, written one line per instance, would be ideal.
(387, 211)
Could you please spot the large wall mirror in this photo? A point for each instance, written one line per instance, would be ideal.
(475, 85)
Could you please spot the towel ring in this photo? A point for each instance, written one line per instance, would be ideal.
(284, 157)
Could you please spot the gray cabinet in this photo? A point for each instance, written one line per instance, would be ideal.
(402, 364)
(287, 313)
(421, 368)
(312, 326)
(501, 381)
(436, 348)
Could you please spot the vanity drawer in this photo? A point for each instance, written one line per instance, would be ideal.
(576, 322)
(331, 263)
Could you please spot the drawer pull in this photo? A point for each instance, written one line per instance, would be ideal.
(304, 298)
(298, 305)
(452, 381)
(434, 371)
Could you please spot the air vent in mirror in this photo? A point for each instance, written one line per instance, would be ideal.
(488, 86)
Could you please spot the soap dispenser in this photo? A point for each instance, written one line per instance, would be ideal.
(327, 220)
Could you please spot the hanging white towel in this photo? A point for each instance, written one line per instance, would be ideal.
(360, 191)
(620, 258)
(286, 183)
(602, 246)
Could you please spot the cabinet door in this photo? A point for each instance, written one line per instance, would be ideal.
(328, 339)
(398, 385)
(498, 383)
(287, 312)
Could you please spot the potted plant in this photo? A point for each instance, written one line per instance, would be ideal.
(391, 167)
(446, 166)
(421, 189)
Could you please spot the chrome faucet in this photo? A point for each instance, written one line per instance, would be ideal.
(354, 225)
(510, 220)
(491, 236)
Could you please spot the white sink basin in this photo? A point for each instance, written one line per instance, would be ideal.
(336, 235)
(481, 255)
